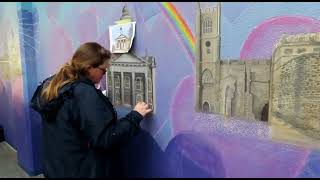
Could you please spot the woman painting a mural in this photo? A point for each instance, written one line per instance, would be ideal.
(81, 133)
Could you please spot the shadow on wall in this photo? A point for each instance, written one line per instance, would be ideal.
(186, 156)
(142, 157)
(4, 108)
(189, 156)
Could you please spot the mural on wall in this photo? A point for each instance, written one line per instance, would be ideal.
(10, 72)
(294, 97)
(245, 87)
(130, 78)
(214, 73)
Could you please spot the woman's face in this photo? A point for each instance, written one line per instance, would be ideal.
(95, 74)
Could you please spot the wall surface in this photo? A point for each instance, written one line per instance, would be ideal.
(38, 38)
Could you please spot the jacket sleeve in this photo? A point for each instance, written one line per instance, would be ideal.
(96, 120)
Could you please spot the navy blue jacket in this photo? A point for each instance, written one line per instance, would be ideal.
(81, 133)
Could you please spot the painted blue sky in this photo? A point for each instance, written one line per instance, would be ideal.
(239, 19)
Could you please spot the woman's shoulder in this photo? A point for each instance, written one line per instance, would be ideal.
(82, 86)
(84, 90)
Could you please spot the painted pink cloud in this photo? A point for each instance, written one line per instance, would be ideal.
(261, 40)
(182, 108)
(62, 51)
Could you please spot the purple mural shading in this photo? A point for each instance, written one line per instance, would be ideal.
(214, 123)
(311, 168)
(172, 66)
(17, 93)
(18, 104)
(104, 39)
(252, 157)
(62, 51)
(244, 153)
(261, 40)
(53, 9)
(190, 156)
(146, 10)
(87, 25)
(182, 109)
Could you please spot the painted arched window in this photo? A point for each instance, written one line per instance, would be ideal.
(138, 83)
(117, 81)
(127, 82)
(207, 26)
(206, 107)
(207, 77)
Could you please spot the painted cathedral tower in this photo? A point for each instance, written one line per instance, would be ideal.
(208, 38)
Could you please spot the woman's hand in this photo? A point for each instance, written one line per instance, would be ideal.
(142, 108)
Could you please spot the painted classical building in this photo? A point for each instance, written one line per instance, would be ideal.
(131, 79)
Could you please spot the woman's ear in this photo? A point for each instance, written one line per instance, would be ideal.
(88, 67)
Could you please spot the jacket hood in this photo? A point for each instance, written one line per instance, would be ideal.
(50, 109)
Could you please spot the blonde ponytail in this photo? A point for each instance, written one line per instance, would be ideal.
(90, 54)
(65, 75)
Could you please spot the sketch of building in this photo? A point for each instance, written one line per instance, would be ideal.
(289, 81)
(122, 43)
(122, 34)
(131, 79)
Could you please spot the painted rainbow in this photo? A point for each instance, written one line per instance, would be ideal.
(180, 26)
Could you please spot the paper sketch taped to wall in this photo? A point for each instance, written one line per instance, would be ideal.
(121, 37)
